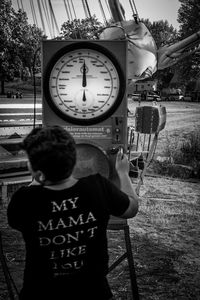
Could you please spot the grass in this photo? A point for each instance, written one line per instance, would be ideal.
(183, 157)
(23, 86)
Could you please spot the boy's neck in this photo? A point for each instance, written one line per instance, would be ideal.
(62, 184)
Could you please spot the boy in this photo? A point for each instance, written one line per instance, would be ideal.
(63, 220)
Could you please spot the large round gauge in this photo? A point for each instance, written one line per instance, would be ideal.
(84, 83)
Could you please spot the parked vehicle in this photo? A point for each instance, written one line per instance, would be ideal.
(172, 94)
(173, 97)
(135, 97)
(152, 96)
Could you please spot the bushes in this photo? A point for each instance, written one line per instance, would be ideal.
(182, 158)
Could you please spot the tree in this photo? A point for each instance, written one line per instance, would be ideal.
(189, 19)
(18, 43)
(81, 28)
(6, 12)
(163, 34)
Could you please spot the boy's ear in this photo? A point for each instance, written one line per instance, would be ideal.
(39, 176)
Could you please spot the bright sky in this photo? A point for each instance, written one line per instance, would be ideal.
(154, 10)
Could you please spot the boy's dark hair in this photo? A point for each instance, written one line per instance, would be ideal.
(51, 150)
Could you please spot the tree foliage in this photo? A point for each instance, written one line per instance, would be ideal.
(163, 34)
(18, 42)
(189, 19)
(81, 28)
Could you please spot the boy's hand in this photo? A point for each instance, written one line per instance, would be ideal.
(122, 163)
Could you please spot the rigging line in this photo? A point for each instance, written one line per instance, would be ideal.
(135, 8)
(51, 18)
(131, 5)
(45, 8)
(41, 17)
(22, 6)
(49, 21)
(70, 12)
(66, 9)
(87, 6)
(54, 17)
(33, 13)
(102, 11)
(108, 7)
(85, 9)
(18, 4)
(73, 9)
(34, 21)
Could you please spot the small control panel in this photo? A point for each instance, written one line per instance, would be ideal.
(117, 130)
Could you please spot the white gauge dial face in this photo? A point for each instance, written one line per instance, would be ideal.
(84, 84)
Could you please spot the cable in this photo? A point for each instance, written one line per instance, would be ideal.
(34, 87)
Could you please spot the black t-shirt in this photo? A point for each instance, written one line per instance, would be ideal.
(65, 233)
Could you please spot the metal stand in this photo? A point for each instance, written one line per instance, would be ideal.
(9, 280)
(121, 224)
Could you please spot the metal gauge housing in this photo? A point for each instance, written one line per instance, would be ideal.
(84, 83)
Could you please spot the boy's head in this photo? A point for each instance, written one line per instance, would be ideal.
(52, 151)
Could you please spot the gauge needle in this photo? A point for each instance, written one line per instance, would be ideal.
(84, 82)
(84, 97)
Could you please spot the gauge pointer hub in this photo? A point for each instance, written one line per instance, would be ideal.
(84, 97)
